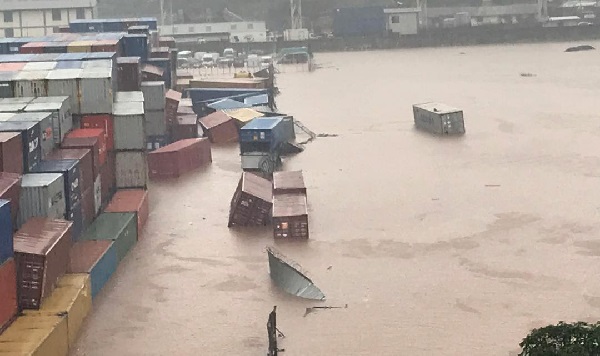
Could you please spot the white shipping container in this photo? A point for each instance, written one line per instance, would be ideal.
(97, 63)
(64, 82)
(42, 195)
(33, 66)
(129, 126)
(156, 125)
(60, 107)
(96, 91)
(129, 96)
(97, 195)
(154, 95)
(131, 169)
(24, 100)
(31, 83)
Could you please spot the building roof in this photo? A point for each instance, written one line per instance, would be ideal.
(402, 10)
(7, 5)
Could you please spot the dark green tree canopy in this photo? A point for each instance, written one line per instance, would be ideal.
(563, 339)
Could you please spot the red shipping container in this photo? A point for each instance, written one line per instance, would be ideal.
(108, 178)
(104, 122)
(167, 42)
(129, 74)
(186, 127)
(32, 48)
(178, 158)
(86, 163)
(131, 201)
(160, 52)
(106, 46)
(152, 73)
(42, 249)
(172, 99)
(8, 293)
(87, 207)
(11, 152)
(10, 189)
(219, 128)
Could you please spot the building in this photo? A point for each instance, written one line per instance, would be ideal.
(31, 18)
(217, 31)
(402, 21)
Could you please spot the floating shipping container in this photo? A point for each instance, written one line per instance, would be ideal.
(154, 95)
(439, 119)
(11, 152)
(290, 216)
(96, 258)
(131, 169)
(60, 108)
(252, 202)
(31, 137)
(131, 201)
(129, 73)
(118, 227)
(185, 127)
(6, 233)
(219, 128)
(129, 130)
(42, 195)
(8, 293)
(104, 122)
(178, 158)
(42, 249)
(288, 182)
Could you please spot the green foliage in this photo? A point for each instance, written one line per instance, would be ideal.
(563, 339)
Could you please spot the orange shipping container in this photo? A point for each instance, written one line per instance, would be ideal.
(8, 293)
(131, 201)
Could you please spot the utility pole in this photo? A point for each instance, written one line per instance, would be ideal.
(296, 14)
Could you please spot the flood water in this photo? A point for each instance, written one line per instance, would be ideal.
(451, 246)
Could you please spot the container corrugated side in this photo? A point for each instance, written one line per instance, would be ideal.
(118, 227)
(11, 152)
(6, 233)
(96, 258)
(36, 335)
(131, 169)
(60, 108)
(46, 128)
(129, 126)
(131, 201)
(65, 82)
(43, 195)
(156, 124)
(154, 95)
(8, 293)
(96, 91)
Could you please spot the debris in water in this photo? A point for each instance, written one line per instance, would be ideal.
(289, 276)
(528, 75)
(329, 268)
(492, 185)
(314, 309)
(327, 135)
(580, 48)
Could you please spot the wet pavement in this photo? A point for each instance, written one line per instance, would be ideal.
(439, 246)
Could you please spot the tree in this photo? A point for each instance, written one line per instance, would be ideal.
(563, 339)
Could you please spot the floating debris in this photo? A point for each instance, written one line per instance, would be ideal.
(528, 75)
(580, 48)
(327, 135)
(289, 276)
(314, 309)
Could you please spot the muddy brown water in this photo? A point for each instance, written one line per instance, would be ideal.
(438, 246)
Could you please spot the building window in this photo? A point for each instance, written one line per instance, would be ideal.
(9, 32)
(208, 28)
(8, 16)
(250, 26)
(175, 29)
(191, 29)
(80, 14)
(234, 27)
(55, 29)
(395, 19)
(56, 15)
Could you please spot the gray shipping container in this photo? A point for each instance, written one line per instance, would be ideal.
(24, 100)
(31, 83)
(156, 125)
(439, 118)
(45, 120)
(62, 118)
(129, 96)
(154, 95)
(129, 126)
(97, 194)
(131, 169)
(12, 107)
(65, 82)
(7, 84)
(96, 91)
(43, 195)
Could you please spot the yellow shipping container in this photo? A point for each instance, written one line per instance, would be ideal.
(80, 46)
(71, 297)
(36, 335)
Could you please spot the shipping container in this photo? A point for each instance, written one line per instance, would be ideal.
(86, 164)
(94, 134)
(166, 42)
(129, 130)
(82, 26)
(359, 21)
(31, 137)
(56, 47)
(80, 47)
(106, 46)
(219, 128)
(10, 189)
(33, 48)
(155, 123)
(178, 158)
(156, 142)
(289, 182)
(104, 122)
(71, 175)
(36, 335)
(97, 64)
(186, 127)
(131, 169)
(87, 207)
(97, 193)
(135, 45)
(42, 249)
(263, 134)
(140, 30)
(108, 179)
(96, 91)
(7, 85)
(160, 52)
(131, 201)
(129, 97)
(172, 99)
(8, 293)
(75, 215)
(42, 195)
(167, 67)
(6, 233)
(72, 298)
(96, 258)
(11, 152)
(152, 73)
(154, 95)
(69, 65)
(60, 108)
(44, 120)
(439, 119)
(290, 216)
(36, 66)
(118, 227)
(65, 82)
(129, 73)
(252, 202)
(31, 83)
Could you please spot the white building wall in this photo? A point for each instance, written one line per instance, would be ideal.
(403, 23)
(255, 30)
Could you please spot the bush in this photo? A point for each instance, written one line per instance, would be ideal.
(563, 339)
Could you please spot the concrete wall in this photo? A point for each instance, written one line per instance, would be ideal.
(39, 22)
(403, 23)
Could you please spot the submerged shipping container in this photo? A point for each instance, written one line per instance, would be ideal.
(439, 119)
(42, 256)
(154, 95)
(129, 122)
(96, 258)
(11, 152)
(43, 334)
(219, 128)
(290, 216)
(118, 227)
(179, 158)
(8, 293)
(252, 202)
(31, 137)
(131, 169)
(60, 108)
(131, 201)
(42, 195)
(185, 127)
(288, 182)
(10, 189)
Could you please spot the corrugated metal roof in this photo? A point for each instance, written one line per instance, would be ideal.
(33, 66)
(244, 115)
(262, 123)
(128, 108)
(289, 276)
(256, 100)
(227, 104)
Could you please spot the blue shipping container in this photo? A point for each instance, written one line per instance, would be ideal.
(136, 46)
(268, 131)
(32, 139)
(103, 269)
(71, 172)
(6, 232)
(359, 21)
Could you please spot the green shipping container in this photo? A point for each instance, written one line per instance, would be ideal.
(119, 227)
